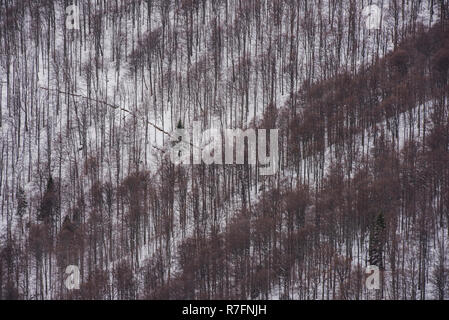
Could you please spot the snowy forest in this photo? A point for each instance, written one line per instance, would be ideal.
(91, 92)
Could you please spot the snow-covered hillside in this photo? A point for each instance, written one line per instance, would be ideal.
(87, 117)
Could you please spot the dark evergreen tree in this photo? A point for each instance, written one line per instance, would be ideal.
(377, 236)
(49, 202)
(21, 202)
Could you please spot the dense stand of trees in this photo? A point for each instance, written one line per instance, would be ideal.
(85, 177)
